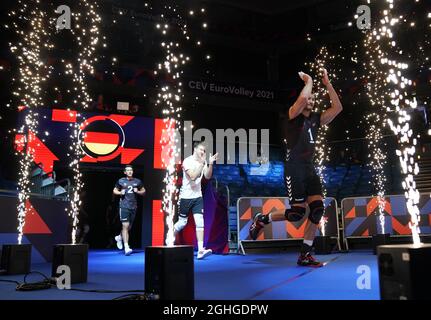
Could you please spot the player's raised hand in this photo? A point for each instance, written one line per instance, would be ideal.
(325, 78)
(305, 77)
(213, 158)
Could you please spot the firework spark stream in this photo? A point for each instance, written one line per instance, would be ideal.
(322, 60)
(87, 35)
(175, 38)
(34, 72)
(29, 24)
(398, 95)
(375, 80)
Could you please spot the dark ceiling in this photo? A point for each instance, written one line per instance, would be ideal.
(270, 7)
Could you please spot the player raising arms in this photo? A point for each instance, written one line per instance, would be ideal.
(302, 182)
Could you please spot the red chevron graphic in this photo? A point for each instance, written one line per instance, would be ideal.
(120, 119)
(42, 154)
(294, 232)
(351, 214)
(400, 228)
(270, 204)
(64, 115)
(34, 224)
(129, 155)
(246, 215)
(372, 205)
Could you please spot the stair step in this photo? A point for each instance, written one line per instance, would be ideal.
(37, 172)
(47, 182)
(59, 191)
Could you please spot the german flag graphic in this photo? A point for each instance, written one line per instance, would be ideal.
(101, 137)
(100, 143)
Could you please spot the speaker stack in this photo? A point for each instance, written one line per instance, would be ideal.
(16, 258)
(169, 272)
(404, 271)
(74, 256)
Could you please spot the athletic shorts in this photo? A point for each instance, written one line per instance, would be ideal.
(301, 181)
(195, 206)
(127, 215)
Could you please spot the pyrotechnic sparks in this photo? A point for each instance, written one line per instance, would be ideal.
(36, 29)
(376, 119)
(322, 60)
(28, 132)
(398, 93)
(29, 22)
(87, 36)
(174, 37)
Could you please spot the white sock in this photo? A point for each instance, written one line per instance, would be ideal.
(308, 242)
(126, 246)
(200, 245)
(270, 217)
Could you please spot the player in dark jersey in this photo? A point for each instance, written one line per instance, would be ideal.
(127, 187)
(302, 182)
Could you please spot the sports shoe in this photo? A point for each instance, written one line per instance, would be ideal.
(256, 226)
(204, 253)
(128, 251)
(119, 242)
(307, 260)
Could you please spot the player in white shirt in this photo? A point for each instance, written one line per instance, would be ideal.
(194, 168)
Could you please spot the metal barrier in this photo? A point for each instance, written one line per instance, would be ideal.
(360, 216)
(247, 207)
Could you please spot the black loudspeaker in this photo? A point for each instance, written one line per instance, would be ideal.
(404, 272)
(169, 272)
(380, 240)
(16, 258)
(75, 256)
(322, 245)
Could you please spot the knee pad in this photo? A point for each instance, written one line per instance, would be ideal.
(316, 211)
(295, 213)
(181, 223)
(199, 221)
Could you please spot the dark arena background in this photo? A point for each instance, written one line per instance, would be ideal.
(89, 87)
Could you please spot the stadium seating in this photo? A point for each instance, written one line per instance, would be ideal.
(341, 181)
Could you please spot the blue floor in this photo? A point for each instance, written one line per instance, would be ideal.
(250, 277)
